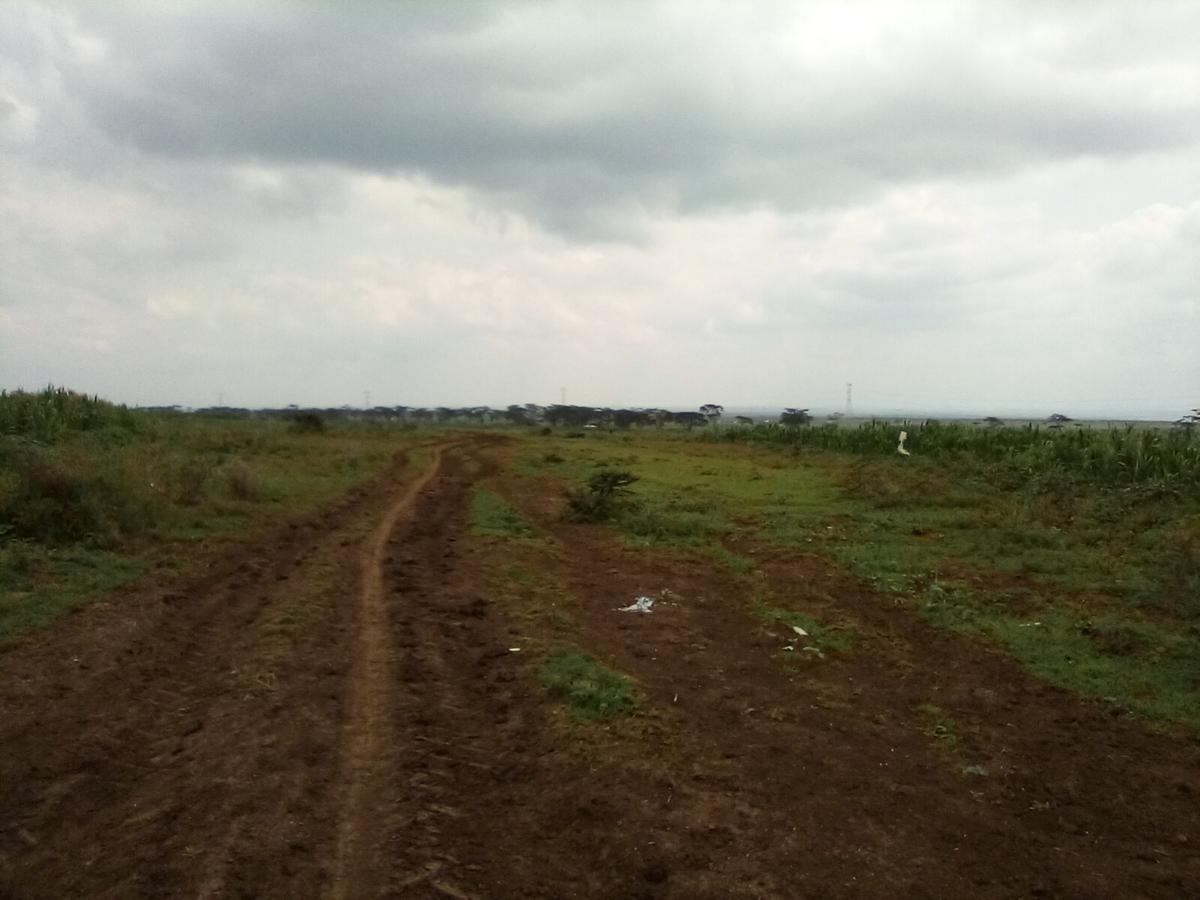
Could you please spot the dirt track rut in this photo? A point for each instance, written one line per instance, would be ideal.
(367, 727)
(217, 739)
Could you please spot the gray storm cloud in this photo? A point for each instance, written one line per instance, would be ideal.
(950, 204)
(578, 115)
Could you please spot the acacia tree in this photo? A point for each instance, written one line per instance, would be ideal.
(794, 416)
(712, 411)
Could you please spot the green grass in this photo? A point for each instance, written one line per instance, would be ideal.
(493, 517)
(735, 562)
(38, 583)
(591, 691)
(1134, 665)
(114, 490)
(685, 497)
(1111, 570)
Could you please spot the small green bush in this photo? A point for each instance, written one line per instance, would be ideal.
(603, 495)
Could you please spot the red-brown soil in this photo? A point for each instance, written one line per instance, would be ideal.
(334, 710)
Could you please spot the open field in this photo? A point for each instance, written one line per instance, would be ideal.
(372, 662)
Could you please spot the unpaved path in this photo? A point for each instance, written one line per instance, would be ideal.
(338, 710)
(369, 711)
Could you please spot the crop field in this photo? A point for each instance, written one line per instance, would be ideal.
(354, 659)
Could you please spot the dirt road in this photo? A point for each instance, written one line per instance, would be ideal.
(335, 710)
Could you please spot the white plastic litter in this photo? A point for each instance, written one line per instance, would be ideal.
(900, 448)
(514, 649)
(640, 605)
(800, 631)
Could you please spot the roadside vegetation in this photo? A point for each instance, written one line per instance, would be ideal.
(92, 494)
(1044, 454)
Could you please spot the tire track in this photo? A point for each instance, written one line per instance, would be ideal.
(174, 755)
(368, 722)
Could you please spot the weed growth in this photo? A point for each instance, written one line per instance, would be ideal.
(590, 690)
(492, 516)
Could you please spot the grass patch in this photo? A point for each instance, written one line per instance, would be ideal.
(39, 583)
(1140, 667)
(590, 690)
(491, 516)
(735, 562)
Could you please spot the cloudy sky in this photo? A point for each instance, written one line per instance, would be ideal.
(989, 207)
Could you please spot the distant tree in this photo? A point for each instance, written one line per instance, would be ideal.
(689, 419)
(993, 421)
(743, 420)
(1189, 421)
(1058, 420)
(573, 416)
(794, 417)
(712, 411)
(624, 418)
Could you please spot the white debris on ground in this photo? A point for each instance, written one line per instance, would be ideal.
(800, 631)
(900, 447)
(643, 604)
(640, 605)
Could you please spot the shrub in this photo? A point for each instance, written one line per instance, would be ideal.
(56, 498)
(602, 497)
(190, 480)
(242, 481)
